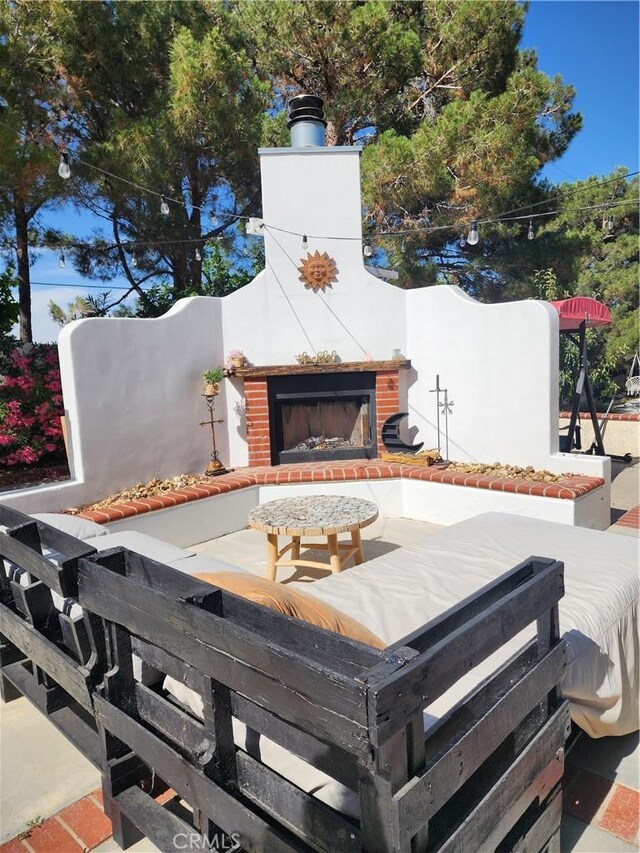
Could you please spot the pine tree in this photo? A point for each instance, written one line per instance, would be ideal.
(164, 96)
(31, 103)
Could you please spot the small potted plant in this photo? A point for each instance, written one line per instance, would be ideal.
(212, 379)
(235, 359)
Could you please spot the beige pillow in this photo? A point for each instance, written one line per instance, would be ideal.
(292, 603)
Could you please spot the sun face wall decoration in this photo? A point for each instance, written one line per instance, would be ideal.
(318, 271)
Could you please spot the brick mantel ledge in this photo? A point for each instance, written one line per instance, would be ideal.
(569, 488)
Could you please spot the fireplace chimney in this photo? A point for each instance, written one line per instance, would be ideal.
(306, 121)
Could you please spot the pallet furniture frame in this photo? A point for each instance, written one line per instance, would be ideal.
(46, 655)
(487, 776)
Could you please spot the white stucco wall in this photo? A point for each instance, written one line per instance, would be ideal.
(499, 364)
(132, 387)
(132, 401)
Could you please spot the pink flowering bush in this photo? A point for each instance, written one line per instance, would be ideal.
(30, 405)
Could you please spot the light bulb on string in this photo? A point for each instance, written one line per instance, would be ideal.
(473, 236)
(64, 169)
(198, 255)
(610, 223)
(62, 263)
(463, 241)
(134, 260)
(305, 243)
(367, 248)
(530, 233)
(164, 207)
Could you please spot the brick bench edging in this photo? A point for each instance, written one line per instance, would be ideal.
(117, 512)
(569, 489)
(612, 416)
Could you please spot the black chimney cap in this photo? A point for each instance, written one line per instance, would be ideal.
(305, 108)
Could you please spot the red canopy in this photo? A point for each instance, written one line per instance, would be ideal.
(579, 308)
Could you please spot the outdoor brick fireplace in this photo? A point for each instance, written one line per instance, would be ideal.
(316, 412)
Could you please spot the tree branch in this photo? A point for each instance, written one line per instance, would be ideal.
(123, 259)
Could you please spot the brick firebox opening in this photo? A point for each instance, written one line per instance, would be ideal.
(256, 391)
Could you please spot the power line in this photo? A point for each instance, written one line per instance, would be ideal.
(565, 195)
(79, 285)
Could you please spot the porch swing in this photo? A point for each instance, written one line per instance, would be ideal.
(632, 384)
(576, 316)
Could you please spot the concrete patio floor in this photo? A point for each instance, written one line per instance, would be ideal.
(41, 773)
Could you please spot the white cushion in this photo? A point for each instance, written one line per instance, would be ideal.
(399, 592)
(203, 563)
(295, 769)
(81, 528)
(148, 546)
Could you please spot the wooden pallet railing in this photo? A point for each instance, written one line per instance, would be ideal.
(486, 776)
(45, 652)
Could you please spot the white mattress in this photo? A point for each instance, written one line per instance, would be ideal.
(402, 590)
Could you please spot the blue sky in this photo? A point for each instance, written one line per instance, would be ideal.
(592, 45)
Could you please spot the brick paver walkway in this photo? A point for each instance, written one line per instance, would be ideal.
(630, 519)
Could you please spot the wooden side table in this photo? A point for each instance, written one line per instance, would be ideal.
(322, 515)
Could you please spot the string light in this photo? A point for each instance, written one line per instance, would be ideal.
(7, 244)
(198, 255)
(305, 243)
(502, 217)
(499, 218)
(367, 248)
(62, 263)
(134, 260)
(64, 169)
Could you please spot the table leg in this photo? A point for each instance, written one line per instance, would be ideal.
(334, 553)
(356, 541)
(295, 547)
(272, 555)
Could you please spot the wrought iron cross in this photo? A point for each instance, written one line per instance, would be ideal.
(215, 466)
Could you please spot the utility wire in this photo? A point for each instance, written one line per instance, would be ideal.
(79, 285)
